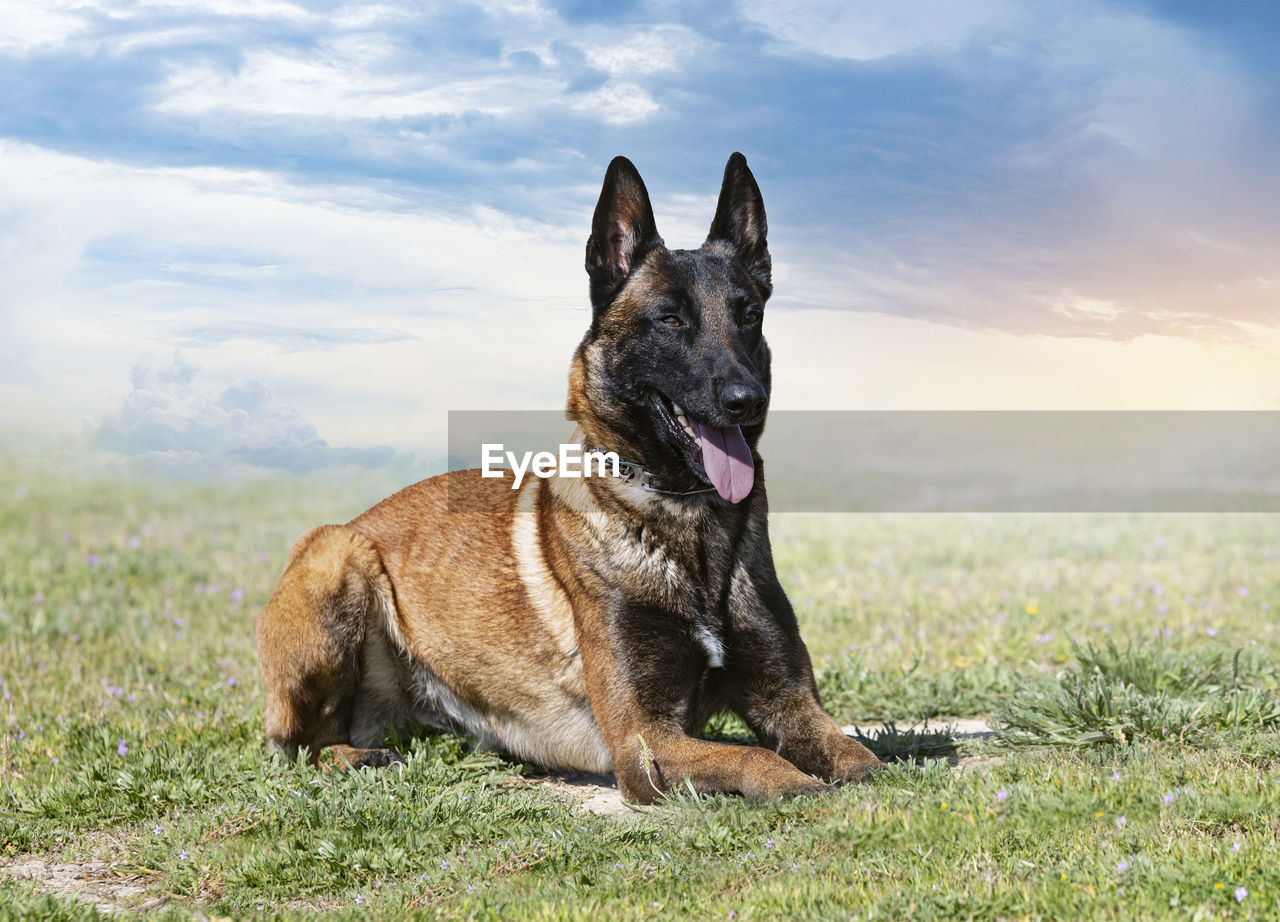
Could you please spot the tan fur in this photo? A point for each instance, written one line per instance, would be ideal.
(577, 624)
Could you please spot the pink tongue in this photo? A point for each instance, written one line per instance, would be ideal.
(727, 461)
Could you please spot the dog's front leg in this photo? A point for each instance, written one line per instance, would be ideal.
(772, 686)
(644, 673)
(653, 758)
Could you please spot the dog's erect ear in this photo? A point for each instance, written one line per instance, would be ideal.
(740, 221)
(622, 231)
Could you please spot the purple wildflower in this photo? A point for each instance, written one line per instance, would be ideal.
(1168, 797)
(1115, 776)
(157, 831)
(135, 542)
(231, 682)
(1122, 866)
(359, 898)
(122, 748)
(1242, 591)
(237, 595)
(1211, 631)
(1002, 794)
(182, 855)
(92, 560)
(1121, 822)
(1241, 893)
(38, 598)
(1235, 846)
(768, 843)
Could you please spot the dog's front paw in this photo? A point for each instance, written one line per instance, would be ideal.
(855, 763)
(349, 758)
(798, 785)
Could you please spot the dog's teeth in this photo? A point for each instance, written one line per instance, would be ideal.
(683, 420)
(679, 412)
(689, 432)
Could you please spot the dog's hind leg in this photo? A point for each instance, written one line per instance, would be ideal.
(311, 639)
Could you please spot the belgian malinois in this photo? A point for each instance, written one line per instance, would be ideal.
(595, 623)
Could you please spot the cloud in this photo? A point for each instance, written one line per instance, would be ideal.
(1027, 171)
(167, 416)
(345, 80)
(303, 338)
(386, 204)
(865, 30)
(27, 27)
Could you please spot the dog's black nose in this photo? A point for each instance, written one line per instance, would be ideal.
(743, 400)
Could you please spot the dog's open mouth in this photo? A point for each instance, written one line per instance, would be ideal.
(721, 455)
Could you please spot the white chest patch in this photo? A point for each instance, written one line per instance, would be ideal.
(711, 643)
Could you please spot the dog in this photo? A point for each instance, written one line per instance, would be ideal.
(588, 624)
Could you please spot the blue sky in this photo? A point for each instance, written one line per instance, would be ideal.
(366, 215)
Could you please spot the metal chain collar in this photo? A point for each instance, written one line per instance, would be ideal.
(631, 472)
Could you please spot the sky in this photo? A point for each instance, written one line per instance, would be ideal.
(297, 235)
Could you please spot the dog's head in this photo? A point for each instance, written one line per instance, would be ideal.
(674, 371)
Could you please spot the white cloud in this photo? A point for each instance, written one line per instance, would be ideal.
(226, 225)
(617, 103)
(648, 51)
(362, 68)
(260, 278)
(343, 80)
(165, 413)
(27, 26)
(869, 29)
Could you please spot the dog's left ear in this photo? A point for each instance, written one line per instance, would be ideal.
(740, 221)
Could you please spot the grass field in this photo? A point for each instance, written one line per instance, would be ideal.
(1127, 660)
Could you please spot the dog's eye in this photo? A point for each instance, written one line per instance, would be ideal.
(750, 317)
(671, 320)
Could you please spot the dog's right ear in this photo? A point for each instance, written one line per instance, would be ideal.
(622, 231)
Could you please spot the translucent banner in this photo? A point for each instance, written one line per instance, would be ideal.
(956, 461)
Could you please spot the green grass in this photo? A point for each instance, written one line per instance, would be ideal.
(1148, 692)
(1135, 684)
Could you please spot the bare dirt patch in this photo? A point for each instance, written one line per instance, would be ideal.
(107, 886)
